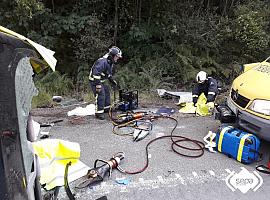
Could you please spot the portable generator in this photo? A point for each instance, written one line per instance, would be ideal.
(128, 100)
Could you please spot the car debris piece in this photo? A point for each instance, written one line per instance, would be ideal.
(80, 111)
(123, 181)
(183, 96)
(209, 139)
(166, 111)
(51, 124)
(20, 59)
(57, 99)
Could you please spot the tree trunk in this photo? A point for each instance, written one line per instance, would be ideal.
(150, 15)
(52, 6)
(115, 22)
(140, 10)
(224, 13)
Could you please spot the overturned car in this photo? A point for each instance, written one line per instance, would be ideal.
(20, 58)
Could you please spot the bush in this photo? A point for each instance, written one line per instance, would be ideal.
(43, 99)
(55, 84)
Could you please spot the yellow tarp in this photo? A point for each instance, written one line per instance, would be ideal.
(201, 109)
(187, 108)
(53, 156)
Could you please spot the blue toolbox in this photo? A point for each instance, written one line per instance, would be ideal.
(238, 144)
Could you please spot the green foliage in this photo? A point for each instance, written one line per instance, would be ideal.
(152, 77)
(55, 84)
(164, 43)
(91, 41)
(250, 27)
(43, 99)
(88, 97)
(27, 8)
(18, 14)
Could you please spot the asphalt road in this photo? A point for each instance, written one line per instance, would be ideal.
(168, 176)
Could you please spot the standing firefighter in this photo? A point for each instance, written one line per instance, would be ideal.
(206, 85)
(100, 71)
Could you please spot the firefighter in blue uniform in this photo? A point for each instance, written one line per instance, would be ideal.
(99, 73)
(206, 85)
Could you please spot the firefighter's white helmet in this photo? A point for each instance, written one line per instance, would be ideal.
(201, 77)
(115, 51)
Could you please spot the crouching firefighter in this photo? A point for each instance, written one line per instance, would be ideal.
(99, 73)
(206, 85)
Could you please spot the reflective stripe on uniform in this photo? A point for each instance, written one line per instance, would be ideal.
(92, 79)
(222, 132)
(106, 107)
(96, 77)
(213, 93)
(241, 146)
(194, 95)
(102, 74)
(100, 111)
(96, 105)
(90, 75)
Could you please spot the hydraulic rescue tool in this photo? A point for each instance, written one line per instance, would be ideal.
(98, 173)
(128, 117)
(139, 122)
(142, 129)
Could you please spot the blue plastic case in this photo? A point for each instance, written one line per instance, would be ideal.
(238, 144)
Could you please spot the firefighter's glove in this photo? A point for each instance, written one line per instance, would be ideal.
(98, 89)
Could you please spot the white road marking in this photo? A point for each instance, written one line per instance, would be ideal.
(211, 172)
(181, 127)
(178, 127)
(160, 179)
(160, 182)
(195, 174)
(178, 176)
(229, 171)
